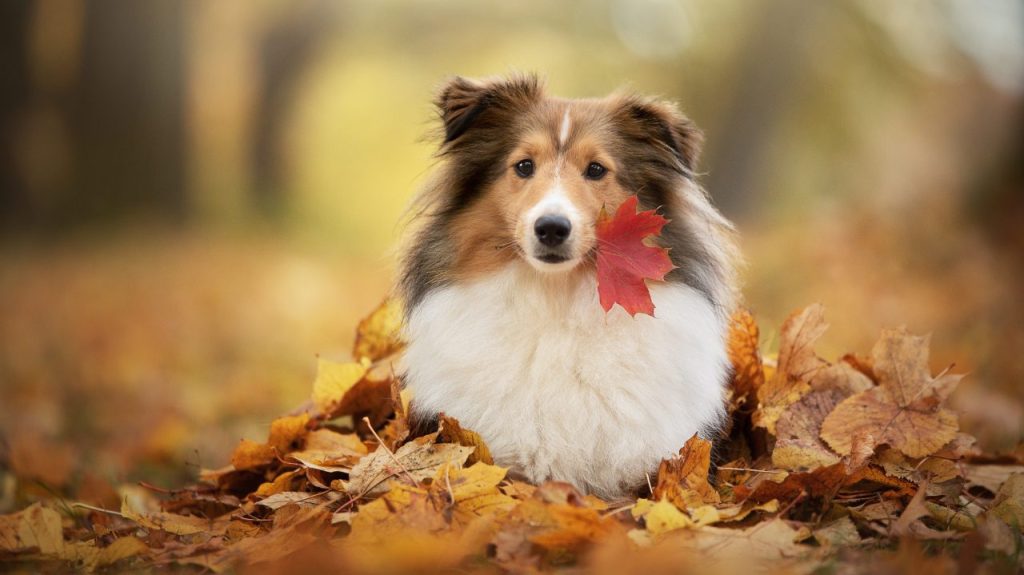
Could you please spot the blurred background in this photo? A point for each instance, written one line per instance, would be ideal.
(199, 198)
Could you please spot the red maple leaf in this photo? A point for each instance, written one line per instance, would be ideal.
(624, 261)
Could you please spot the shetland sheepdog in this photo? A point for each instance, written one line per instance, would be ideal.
(505, 330)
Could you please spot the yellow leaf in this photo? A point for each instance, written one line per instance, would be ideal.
(280, 484)
(251, 454)
(333, 380)
(379, 334)
(452, 432)
(285, 432)
(661, 517)
(473, 490)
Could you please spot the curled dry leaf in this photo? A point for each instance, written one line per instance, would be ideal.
(452, 432)
(624, 261)
(797, 363)
(905, 410)
(745, 357)
(683, 480)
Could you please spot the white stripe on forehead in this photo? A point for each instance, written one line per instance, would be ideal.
(563, 132)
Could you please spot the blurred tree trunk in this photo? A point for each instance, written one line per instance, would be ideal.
(126, 113)
(15, 95)
(285, 52)
(770, 76)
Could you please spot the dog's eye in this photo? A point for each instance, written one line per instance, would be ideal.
(524, 168)
(595, 171)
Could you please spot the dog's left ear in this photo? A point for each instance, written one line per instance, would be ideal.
(662, 122)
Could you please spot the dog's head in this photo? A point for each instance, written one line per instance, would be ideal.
(525, 176)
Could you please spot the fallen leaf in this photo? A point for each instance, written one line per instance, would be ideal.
(122, 548)
(797, 363)
(472, 491)
(745, 357)
(798, 446)
(452, 432)
(1009, 502)
(170, 522)
(334, 380)
(905, 409)
(660, 516)
(772, 539)
(683, 480)
(624, 261)
(330, 451)
(379, 334)
(414, 461)
(839, 533)
(279, 500)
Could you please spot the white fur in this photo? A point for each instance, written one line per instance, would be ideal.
(560, 390)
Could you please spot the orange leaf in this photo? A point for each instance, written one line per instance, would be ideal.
(683, 480)
(624, 261)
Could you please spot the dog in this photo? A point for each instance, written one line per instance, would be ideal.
(504, 328)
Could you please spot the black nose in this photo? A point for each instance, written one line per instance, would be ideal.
(552, 230)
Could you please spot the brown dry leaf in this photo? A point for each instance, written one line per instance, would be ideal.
(1009, 502)
(334, 380)
(571, 526)
(280, 484)
(303, 498)
(304, 528)
(745, 356)
(330, 451)
(798, 446)
(773, 539)
(122, 548)
(34, 528)
(683, 480)
(990, 476)
(171, 522)
(38, 529)
(905, 409)
(414, 461)
(839, 533)
(796, 365)
(821, 483)
(379, 334)
(452, 432)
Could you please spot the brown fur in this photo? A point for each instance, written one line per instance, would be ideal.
(471, 211)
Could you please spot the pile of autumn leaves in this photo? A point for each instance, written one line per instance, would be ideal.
(823, 460)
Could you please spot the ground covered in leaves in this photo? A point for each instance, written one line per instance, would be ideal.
(855, 465)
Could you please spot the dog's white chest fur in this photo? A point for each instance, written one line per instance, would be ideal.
(560, 390)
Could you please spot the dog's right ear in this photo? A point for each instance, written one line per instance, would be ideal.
(462, 101)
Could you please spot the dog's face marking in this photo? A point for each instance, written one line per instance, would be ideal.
(524, 177)
(549, 209)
